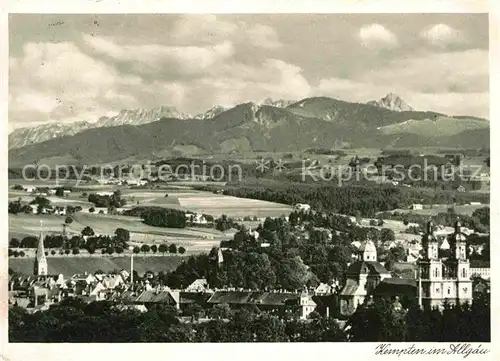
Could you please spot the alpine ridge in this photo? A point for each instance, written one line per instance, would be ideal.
(140, 116)
(30, 135)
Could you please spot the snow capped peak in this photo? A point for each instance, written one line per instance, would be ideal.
(212, 112)
(392, 101)
(280, 103)
(140, 116)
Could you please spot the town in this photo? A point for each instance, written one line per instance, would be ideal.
(302, 267)
(198, 178)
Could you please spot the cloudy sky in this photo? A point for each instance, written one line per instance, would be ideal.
(65, 68)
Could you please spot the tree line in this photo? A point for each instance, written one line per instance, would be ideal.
(75, 321)
(366, 199)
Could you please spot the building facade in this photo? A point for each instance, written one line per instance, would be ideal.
(444, 279)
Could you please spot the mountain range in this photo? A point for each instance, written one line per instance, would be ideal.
(30, 135)
(317, 122)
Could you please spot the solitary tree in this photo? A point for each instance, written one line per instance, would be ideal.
(68, 220)
(182, 250)
(87, 231)
(145, 248)
(14, 243)
(163, 248)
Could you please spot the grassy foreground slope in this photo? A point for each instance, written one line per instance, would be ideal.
(71, 265)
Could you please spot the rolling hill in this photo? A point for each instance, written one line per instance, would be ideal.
(310, 123)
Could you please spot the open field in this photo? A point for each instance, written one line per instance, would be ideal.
(195, 240)
(442, 208)
(69, 266)
(207, 203)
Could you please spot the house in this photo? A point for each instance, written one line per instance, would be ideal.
(199, 285)
(413, 253)
(390, 244)
(484, 272)
(417, 207)
(29, 189)
(323, 289)
(307, 306)
(158, 296)
(302, 207)
(66, 192)
(102, 194)
(196, 218)
(52, 191)
(88, 278)
(112, 281)
(274, 302)
(60, 211)
(137, 182)
(461, 189)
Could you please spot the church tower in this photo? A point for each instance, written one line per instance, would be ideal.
(444, 279)
(458, 268)
(41, 266)
(430, 270)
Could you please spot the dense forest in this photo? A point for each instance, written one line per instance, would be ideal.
(353, 199)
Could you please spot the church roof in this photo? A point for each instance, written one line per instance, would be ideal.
(366, 267)
(350, 288)
(396, 287)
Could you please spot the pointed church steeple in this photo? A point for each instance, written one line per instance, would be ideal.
(41, 266)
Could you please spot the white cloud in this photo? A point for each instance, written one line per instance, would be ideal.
(442, 35)
(262, 36)
(460, 71)
(376, 36)
(202, 28)
(195, 29)
(476, 104)
(183, 59)
(56, 81)
(451, 83)
(60, 82)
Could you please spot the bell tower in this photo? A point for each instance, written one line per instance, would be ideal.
(430, 270)
(461, 288)
(41, 266)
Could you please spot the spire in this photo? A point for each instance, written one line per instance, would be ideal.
(458, 226)
(41, 266)
(40, 252)
(430, 228)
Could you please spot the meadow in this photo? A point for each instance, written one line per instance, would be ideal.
(69, 266)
